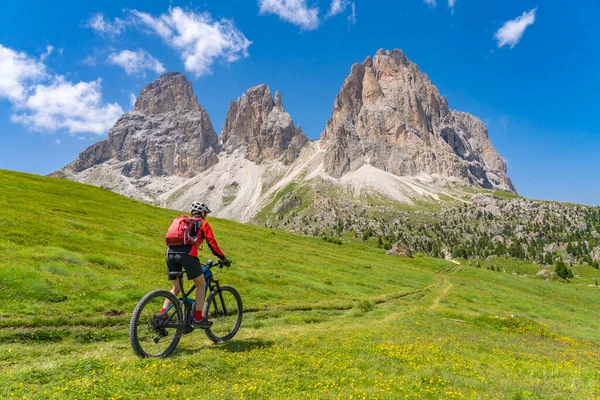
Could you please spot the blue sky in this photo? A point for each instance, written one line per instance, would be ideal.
(529, 69)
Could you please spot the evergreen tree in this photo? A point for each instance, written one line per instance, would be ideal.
(562, 270)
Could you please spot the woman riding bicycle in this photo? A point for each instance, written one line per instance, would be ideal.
(186, 257)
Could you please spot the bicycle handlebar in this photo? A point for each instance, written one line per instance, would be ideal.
(210, 264)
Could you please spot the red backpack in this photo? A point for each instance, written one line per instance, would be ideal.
(179, 231)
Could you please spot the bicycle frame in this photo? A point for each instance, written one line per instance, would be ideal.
(157, 335)
(187, 302)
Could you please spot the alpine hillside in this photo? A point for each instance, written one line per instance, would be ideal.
(320, 320)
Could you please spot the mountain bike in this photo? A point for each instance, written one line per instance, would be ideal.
(156, 334)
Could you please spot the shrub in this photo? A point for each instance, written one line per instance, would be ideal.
(562, 270)
(333, 240)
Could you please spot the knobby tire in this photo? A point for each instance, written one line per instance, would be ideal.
(224, 326)
(146, 337)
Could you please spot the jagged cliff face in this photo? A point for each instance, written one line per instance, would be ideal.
(390, 116)
(167, 133)
(473, 131)
(261, 128)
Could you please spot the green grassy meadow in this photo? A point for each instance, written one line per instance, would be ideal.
(322, 321)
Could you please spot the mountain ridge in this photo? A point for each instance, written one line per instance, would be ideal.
(391, 133)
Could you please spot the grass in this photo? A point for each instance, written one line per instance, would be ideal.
(304, 192)
(321, 321)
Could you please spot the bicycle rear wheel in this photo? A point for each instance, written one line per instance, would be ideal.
(150, 333)
(224, 309)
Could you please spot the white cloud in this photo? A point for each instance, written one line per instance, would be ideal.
(57, 141)
(132, 99)
(352, 16)
(18, 71)
(337, 6)
(90, 61)
(64, 105)
(296, 12)
(512, 31)
(200, 40)
(134, 62)
(104, 27)
(48, 102)
(451, 4)
(431, 3)
(49, 50)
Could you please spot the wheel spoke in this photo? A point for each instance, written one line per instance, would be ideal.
(150, 334)
(225, 311)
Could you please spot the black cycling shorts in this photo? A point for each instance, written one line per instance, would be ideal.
(177, 261)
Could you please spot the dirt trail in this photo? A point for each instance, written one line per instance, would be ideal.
(445, 285)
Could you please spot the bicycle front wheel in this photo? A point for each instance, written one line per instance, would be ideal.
(224, 308)
(152, 334)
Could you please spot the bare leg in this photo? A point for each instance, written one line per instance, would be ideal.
(200, 289)
(175, 290)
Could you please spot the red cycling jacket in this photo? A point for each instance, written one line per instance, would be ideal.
(205, 232)
(201, 231)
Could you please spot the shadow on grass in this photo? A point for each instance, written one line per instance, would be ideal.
(244, 345)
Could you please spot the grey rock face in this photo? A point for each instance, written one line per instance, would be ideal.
(473, 131)
(488, 202)
(596, 254)
(555, 247)
(399, 249)
(546, 274)
(262, 128)
(288, 202)
(389, 115)
(168, 133)
(170, 92)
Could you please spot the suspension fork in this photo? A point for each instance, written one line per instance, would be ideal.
(220, 292)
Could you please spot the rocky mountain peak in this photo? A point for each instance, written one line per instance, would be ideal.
(395, 56)
(261, 128)
(168, 133)
(261, 95)
(389, 115)
(278, 102)
(172, 91)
